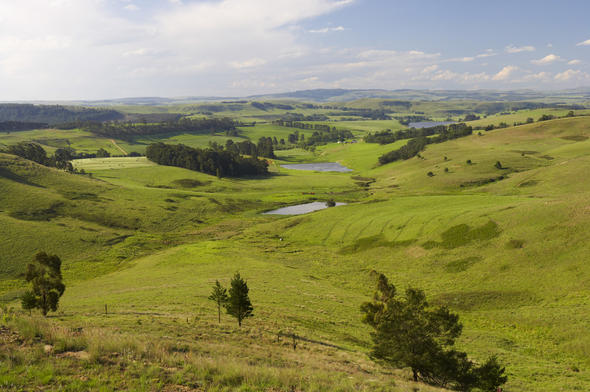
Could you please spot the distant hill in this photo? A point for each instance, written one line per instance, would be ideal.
(341, 95)
(569, 97)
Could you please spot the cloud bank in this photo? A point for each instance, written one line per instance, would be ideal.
(92, 49)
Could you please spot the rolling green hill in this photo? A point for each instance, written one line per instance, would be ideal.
(505, 247)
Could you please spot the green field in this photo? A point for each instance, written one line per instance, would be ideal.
(505, 248)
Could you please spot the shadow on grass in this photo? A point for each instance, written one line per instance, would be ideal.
(16, 178)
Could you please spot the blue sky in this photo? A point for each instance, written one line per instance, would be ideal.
(91, 49)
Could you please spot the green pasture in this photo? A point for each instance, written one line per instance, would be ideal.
(521, 116)
(504, 247)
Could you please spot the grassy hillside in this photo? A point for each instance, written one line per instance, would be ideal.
(506, 248)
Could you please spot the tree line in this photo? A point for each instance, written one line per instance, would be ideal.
(128, 130)
(291, 116)
(17, 126)
(55, 114)
(414, 146)
(61, 158)
(264, 147)
(34, 152)
(323, 134)
(301, 125)
(220, 162)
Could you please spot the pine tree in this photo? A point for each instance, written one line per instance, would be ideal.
(219, 295)
(408, 332)
(238, 304)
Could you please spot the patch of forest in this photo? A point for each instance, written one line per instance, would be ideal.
(219, 162)
(420, 141)
(128, 130)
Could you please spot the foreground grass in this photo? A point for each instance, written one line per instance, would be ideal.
(43, 353)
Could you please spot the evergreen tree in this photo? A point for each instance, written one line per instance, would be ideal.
(219, 296)
(238, 304)
(408, 332)
(45, 276)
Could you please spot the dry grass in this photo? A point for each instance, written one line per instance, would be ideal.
(249, 361)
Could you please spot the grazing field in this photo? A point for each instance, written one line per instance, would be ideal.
(503, 246)
(93, 164)
(521, 116)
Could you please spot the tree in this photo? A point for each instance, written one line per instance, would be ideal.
(219, 296)
(408, 332)
(238, 304)
(45, 276)
(102, 153)
(28, 301)
(31, 151)
(491, 375)
(498, 165)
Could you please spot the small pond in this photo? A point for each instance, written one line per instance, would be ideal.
(301, 208)
(321, 167)
(428, 124)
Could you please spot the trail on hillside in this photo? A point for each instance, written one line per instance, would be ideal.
(118, 147)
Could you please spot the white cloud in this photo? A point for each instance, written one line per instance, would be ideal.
(574, 62)
(571, 74)
(584, 43)
(487, 53)
(430, 69)
(250, 63)
(327, 30)
(90, 49)
(505, 72)
(518, 49)
(540, 76)
(462, 59)
(434, 74)
(550, 58)
(81, 49)
(131, 7)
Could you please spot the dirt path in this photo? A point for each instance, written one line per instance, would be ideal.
(118, 147)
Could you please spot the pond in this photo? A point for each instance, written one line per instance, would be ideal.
(300, 209)
(321, 167)
(428, 124)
